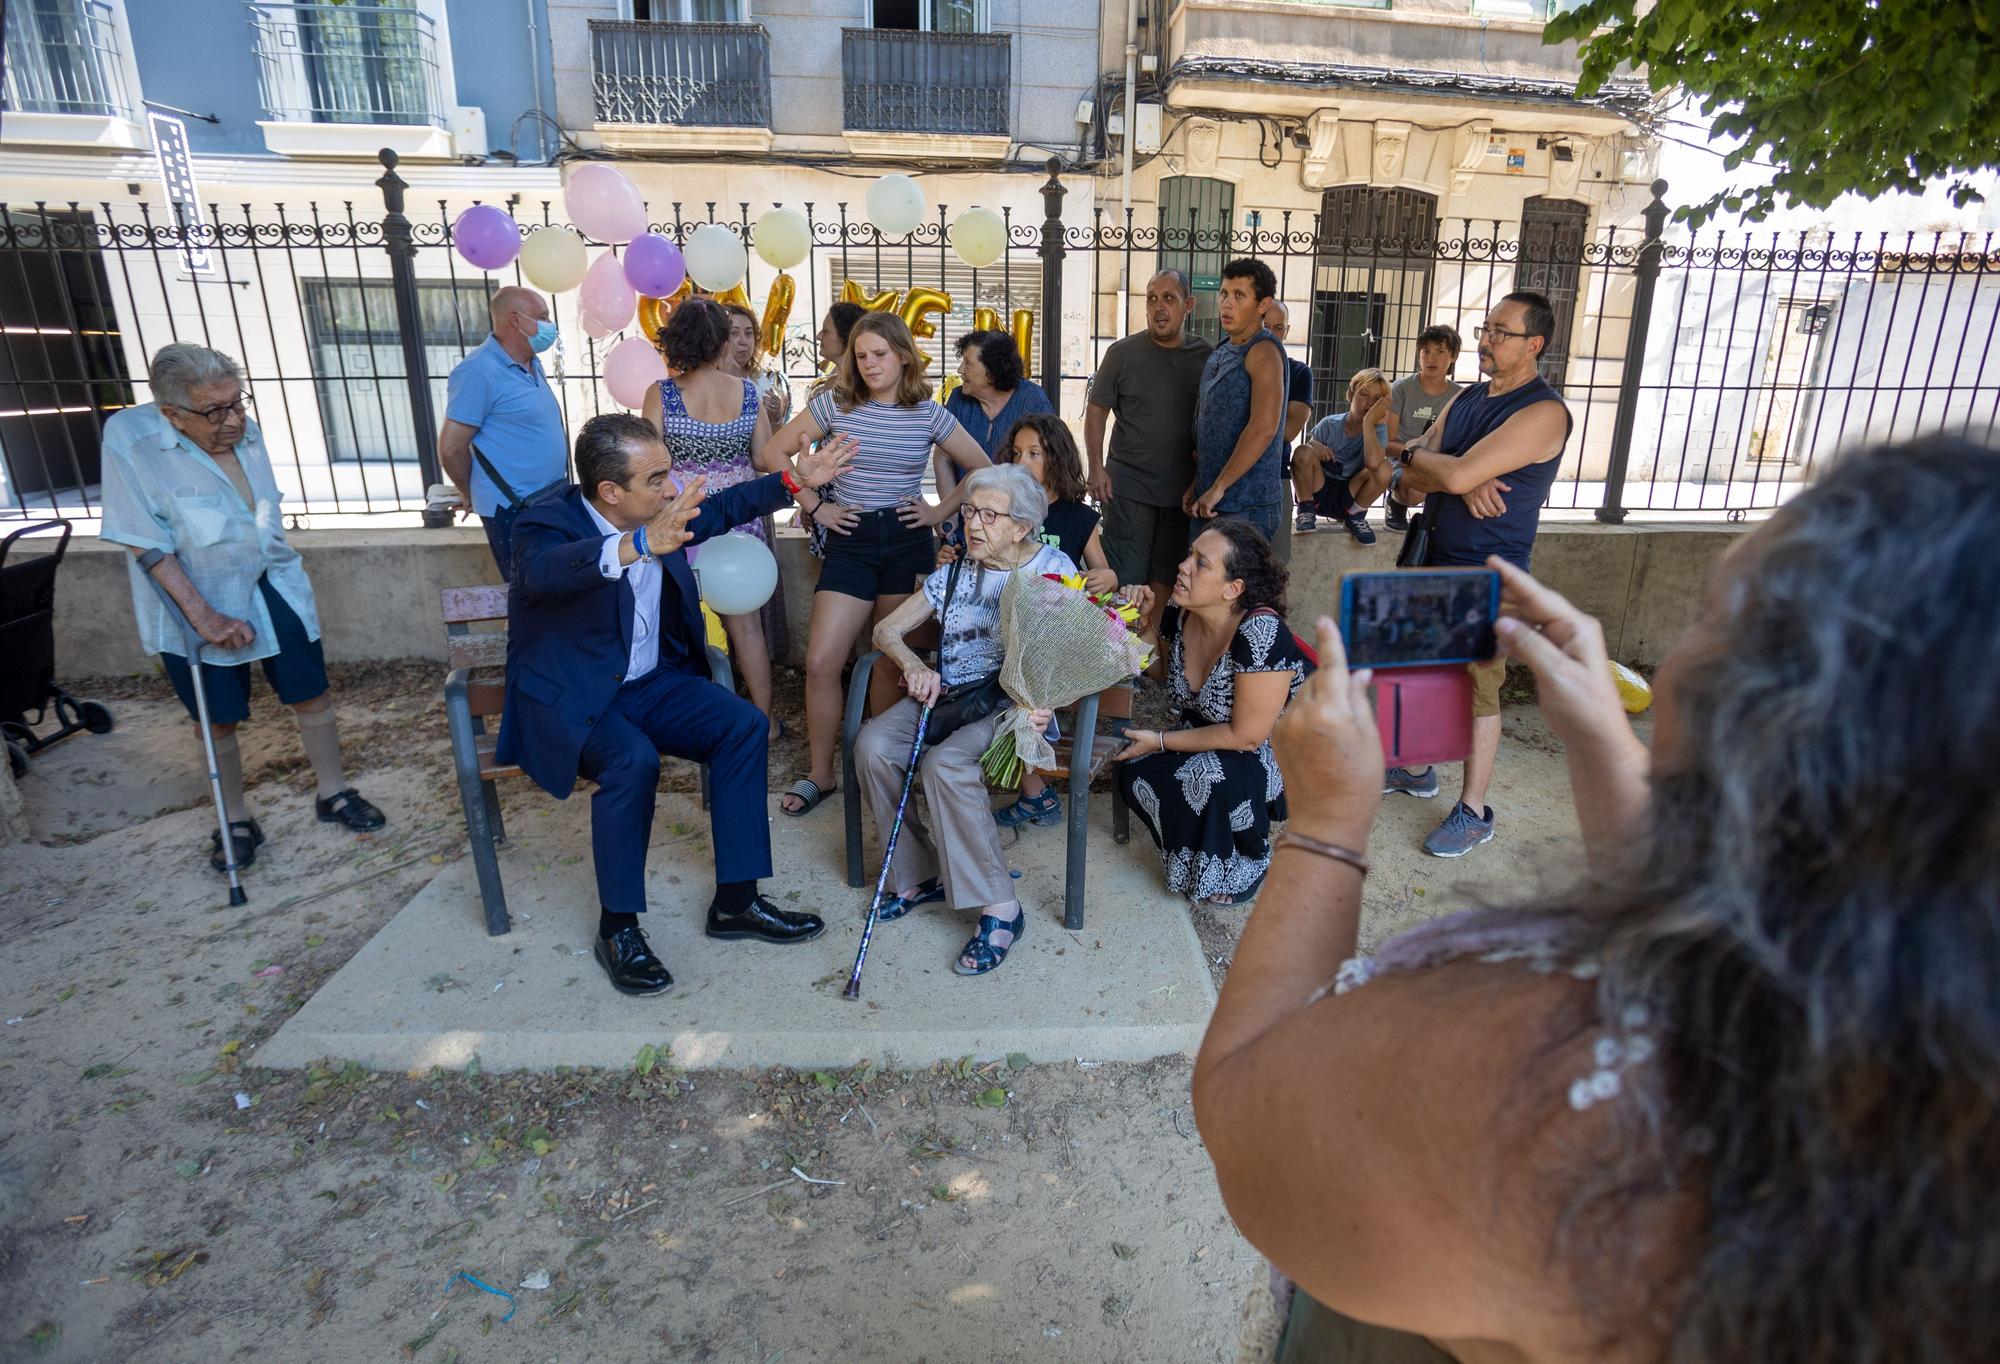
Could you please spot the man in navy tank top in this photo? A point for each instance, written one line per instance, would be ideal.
(1481, 473)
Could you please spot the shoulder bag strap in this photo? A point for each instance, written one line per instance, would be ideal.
(514, 499)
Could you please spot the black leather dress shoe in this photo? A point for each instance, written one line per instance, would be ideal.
(347, 808)
(630, 963)
(765, 920)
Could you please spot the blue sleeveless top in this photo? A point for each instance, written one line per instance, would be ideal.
(1220, 416)
(1458, 537)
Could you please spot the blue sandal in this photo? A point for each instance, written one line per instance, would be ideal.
(1043, 811)
(896, 906)
(985, 953)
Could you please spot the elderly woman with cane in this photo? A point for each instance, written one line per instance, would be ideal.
(960, 861)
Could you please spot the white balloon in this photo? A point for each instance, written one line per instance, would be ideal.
(980, 237)
(895, 205)
(715, 257)
(737, 573)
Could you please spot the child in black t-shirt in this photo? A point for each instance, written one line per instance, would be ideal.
(1042, 445)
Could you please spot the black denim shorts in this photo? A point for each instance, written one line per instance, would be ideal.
(880, 557)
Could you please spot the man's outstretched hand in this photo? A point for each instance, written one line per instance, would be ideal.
(818, 467)
(668, 531)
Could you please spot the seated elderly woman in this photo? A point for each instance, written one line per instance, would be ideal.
(1730, 1095)
(960, 861)
(1207, 787)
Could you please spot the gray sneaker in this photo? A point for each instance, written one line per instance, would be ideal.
(1461, 832)
(1423, 785)
(1307, 520)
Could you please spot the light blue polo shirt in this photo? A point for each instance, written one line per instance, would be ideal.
(518, 423)
(161, 491)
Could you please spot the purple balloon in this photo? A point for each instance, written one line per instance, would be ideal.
(653, 266)
(486, 237)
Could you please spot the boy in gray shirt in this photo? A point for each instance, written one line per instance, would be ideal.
(1415, 400)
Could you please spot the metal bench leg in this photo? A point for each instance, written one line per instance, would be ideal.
(479, 826)
(850, 788)
(1083, 747)
(491, 794)
(1121, 814)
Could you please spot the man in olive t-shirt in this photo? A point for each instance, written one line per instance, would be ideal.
(1150, 380)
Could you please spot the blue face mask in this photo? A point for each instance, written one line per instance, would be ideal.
(544, 337)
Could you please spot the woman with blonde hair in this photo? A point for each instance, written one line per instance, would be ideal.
(880, 524)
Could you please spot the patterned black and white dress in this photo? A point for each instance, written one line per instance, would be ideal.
(1211, 812)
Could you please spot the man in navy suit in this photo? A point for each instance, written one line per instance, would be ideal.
(606, 670)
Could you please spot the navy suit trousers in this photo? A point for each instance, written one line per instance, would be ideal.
(686, 717)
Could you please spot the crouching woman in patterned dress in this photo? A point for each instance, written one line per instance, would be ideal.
(1207, 788)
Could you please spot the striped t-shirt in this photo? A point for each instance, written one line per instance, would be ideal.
(895, 448)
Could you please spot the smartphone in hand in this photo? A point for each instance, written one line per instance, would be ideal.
(1419, 618)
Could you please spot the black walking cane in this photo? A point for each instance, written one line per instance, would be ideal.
(191, 637)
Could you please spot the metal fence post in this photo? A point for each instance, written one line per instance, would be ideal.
(1052, 254)
(1646, 274)
(396, 240)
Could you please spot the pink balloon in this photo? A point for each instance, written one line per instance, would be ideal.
(606, 295)
(595, 327)
(604, 203)
(631, 369)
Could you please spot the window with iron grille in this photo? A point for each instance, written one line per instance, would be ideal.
(357, 359)
(1553, 235)
(1196, 214)
(1372, 278)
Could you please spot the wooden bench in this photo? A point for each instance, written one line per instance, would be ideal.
(474, 692)
(1113, 704)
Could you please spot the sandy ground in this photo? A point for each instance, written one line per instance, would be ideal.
(162, 1197)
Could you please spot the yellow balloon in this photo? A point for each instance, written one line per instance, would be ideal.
(884, 302)
(918, 306)
(1634, 692)
(1024, 337)
(553, 258)
(951, 382)
(734, 296)
(985, 320)
(654, 312)
(777, 312)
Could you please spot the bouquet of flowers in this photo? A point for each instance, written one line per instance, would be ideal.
(1063, 643)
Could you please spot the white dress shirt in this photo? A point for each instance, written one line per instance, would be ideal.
(645, 576)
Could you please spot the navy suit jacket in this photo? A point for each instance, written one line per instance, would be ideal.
(569, 627)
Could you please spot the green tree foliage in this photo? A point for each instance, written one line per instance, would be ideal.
(1861, 95)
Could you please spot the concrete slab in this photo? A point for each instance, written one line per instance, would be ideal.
(432, 989)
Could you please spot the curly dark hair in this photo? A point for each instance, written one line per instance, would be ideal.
(1251, 559)
(1062, 467)
(844, 315)
(1439, 334)
(696, 333)
(1000, 355)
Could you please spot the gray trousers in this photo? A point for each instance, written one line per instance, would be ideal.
(963, 843)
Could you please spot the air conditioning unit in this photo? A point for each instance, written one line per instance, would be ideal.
(468, 130)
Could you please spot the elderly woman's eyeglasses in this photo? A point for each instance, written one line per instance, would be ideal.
(218, 414)
(985, 516)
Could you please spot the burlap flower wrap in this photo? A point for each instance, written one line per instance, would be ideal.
(1060, 646)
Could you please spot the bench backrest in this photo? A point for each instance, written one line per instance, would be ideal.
(463, 608)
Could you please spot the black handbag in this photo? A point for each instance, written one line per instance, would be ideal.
(970, 702)
(1416, 542)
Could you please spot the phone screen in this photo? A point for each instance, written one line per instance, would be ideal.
(1419, 618)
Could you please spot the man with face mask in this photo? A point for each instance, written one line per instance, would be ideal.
(503, 438)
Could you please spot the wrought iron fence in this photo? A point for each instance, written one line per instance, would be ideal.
(682, 75)
(1707, 375)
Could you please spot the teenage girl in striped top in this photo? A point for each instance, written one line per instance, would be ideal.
(881, 540)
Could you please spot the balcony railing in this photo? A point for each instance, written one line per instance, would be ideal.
(684, 75)
(62, 58)
(348, 63)
(902, 81)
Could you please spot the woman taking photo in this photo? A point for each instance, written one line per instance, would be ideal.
(960, 862)
(713, 425)
(880, 542)
(1207, 787)
(1730, 1097)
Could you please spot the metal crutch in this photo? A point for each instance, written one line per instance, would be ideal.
(191, 637)
(853, 990)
